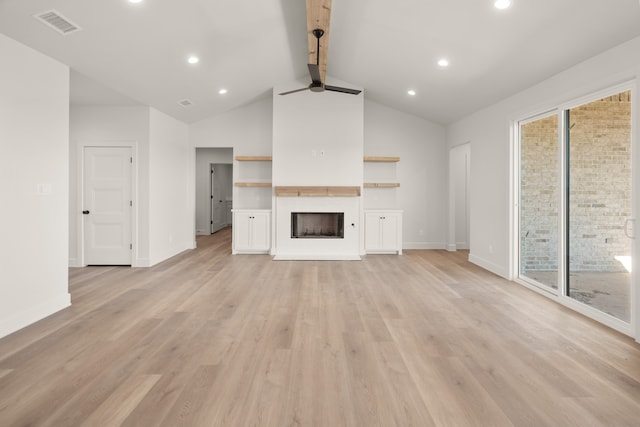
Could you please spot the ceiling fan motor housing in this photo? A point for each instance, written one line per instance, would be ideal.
(316, 87)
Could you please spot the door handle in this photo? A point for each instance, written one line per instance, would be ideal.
(85, 212)
(631, 222)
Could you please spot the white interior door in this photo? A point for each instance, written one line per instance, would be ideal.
(218, 204)
(107, 205)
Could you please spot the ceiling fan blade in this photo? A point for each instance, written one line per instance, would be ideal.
(342, 89)
(314, 71)
(294, 91)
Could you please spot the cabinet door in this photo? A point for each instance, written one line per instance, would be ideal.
(372, 232)
(241, 231)
(260, 231)
(389, 232)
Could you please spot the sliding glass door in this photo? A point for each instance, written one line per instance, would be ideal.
(598, 146)
(575, 205)
(539, 200)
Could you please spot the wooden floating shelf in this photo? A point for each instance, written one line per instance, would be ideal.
(253, 184)
(341, 191)
(381, 159)
(381, 184)
(253, 158)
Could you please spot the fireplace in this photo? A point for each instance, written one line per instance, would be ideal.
(317, 225)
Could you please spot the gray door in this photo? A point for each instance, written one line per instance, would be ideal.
(218, 202)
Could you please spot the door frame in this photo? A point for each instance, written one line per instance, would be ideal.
(453, 243)
(133, 145)
(559, 295)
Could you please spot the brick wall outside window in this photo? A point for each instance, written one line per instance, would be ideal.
(600, 187)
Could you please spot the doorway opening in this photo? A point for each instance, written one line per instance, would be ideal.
(214, 189)
(459, 200)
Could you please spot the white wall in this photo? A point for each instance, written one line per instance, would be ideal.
(109, 126)
(34, 171)
(489, 133)
(421, 172)
(170, 222)
(317, 138)
(248, 131)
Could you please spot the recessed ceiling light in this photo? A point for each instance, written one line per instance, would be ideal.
(443, 62)
(411, 92)
(193, 60)
(222, 91)
(135, 1)
(502, 4)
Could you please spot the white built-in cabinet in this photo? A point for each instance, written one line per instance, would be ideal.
(251, 231)
(252, 224)
(383, 231)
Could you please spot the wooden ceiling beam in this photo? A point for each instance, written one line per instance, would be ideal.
(318, 16)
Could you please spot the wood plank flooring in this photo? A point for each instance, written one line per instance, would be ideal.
(211, 339)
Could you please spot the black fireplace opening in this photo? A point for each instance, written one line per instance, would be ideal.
(317, 225)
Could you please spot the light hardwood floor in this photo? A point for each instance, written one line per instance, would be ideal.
(211, 339)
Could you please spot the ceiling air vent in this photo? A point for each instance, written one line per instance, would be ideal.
(185, 103)
(58, 22)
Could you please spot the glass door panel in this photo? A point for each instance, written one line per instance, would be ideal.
(599, 204)
(538, 201)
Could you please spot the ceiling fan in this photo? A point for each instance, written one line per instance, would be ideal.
(314, 70)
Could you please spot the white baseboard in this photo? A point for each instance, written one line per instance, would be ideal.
(74, 262)
(452, 247)
(141, 262)
(495, 269)
(33, 314)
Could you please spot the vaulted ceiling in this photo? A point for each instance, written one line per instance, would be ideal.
(129, 53)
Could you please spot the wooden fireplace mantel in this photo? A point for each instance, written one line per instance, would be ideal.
(302, 191)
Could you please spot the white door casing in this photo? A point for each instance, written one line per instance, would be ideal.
(107, 205)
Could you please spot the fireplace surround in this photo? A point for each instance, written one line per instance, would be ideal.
(341, 215)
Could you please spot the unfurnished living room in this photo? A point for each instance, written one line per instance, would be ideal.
(319, 213)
